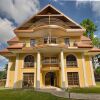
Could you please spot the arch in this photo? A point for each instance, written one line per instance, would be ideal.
(29, 61)
(71, 60)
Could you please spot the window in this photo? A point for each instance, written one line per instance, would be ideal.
(53, 40)
(46, 40)
(50, 40)
(29, 61)
(71, 60)
(67, 42)
(28, 79)
(73, 78)
(32, 42)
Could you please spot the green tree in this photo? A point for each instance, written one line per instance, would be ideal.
(90, 28)
(96, 42)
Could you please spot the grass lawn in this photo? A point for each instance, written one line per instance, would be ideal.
(95, 89)
(26, 95)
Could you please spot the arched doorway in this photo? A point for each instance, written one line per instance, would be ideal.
(50, 79)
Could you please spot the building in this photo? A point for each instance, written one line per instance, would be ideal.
(50, 50)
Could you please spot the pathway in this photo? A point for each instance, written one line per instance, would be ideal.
(61, 93)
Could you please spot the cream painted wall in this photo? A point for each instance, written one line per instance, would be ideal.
(78, 69)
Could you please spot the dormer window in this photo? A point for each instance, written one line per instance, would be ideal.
(67, 41)
(50, 40)
(32, 42)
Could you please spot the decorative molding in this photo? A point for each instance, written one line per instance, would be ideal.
(38, 70)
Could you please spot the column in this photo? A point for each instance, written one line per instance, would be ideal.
(92, 72)
(38, 70)
(16, 71)
(62, 70)
(8, 74)
(84, 70)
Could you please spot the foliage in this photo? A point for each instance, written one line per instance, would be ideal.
(96, 42)
(90, 28)
(97, 70)
(3, 74)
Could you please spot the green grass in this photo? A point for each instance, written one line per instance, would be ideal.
(97, 84)
(26, 95)
(86, 90)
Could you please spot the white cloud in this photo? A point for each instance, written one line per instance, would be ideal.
(95, 5)
(16, 10)
(6, 30)
(19, 10)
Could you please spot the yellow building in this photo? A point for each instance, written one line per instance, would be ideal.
(50, 50)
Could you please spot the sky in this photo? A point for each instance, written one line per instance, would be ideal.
(14, 12)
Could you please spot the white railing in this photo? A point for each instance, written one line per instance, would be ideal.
(71, 63)
(28, 64)
(50, 61)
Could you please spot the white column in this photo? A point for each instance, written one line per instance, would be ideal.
(92, 72)
(84, 70)
(16, 71)
(8, 74)
(62, 69)
(38, 70)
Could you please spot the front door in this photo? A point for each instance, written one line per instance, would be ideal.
(50, 79)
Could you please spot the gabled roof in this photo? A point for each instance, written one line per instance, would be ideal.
(49, 10)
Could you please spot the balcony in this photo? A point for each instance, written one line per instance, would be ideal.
(28, 64)
(50, 63)
(71, 63)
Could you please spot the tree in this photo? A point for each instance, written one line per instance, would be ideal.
(96, 42)
(90, 28)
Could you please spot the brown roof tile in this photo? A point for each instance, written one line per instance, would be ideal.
(83, 45)
(4, 51)
(95, 50)
(16, 46)
(84, 38)
(15, 39)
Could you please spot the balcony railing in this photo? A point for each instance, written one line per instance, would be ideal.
(28, 64)
(71, 63)
(50, 61)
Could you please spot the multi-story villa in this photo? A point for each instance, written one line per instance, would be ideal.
(50, 50)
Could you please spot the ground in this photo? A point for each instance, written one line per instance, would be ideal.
(95, 89)
(27, 95)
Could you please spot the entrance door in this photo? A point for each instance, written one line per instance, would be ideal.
(28, 80)
(50, 79)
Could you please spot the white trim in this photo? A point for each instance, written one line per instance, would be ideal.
(63, 70)
(16, 71)
(8, 74)
(84, 70)
(38, 70)
(92, 72)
